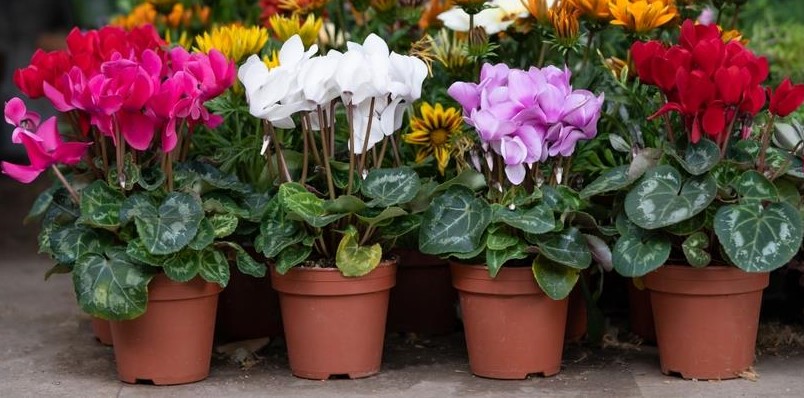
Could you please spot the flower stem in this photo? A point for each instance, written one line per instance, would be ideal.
(725, 144)
(119, 154)
(305, 154)
(309, 132)
(364, 153)
(395, 148)
(378, 163)
(169, 173)
(765, 143)
(350, 119)
(327, 168)
(283, 166)
(73, 193)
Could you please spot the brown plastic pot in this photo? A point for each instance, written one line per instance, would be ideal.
(172, 342)
(706, 319)
(247, 309)
(334, 325)
(102, 331)
(640, 313)
(512, 328)
(423, 300)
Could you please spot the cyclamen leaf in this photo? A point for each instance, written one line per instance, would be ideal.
(213, 267)
(700, 157)
(245, 263)
(311, 209)
(204, 237)
(292, 256)
(567, 248)
(611, 180)
(660, 198)
(535, 220)
(635, 255)
(223, 225)
(495, 259)
(454, 223)
(695, 249)
(753, 187)
(100, 206)
(173, 225)
(388, 187)
(554, 279)
(354, 260)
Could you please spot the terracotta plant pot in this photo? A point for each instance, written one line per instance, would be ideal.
(640, 313)
(334, 325)
(172, 342)
(247, 309)
(512, 328)
(423, 300)
(102, 331)
(706, 319)
(576, 316)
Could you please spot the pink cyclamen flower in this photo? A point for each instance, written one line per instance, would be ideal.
(44, 147)
(18, 115)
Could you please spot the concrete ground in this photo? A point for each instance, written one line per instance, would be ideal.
(47, 350)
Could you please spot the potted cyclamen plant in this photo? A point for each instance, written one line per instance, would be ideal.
(143, 231)
(715, 214)
(529, 224)
(325, 227)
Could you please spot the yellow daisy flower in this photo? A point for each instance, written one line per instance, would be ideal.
(271, 61)
(233, 41)
(434, 131)
(642, 16)
(285, 27)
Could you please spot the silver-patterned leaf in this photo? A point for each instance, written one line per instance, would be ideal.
(173, 225)
(495, 259)
(223, 225)
(757, 238)
(292, 256)
(612, 180)
(204, 237)
(535, 220)
(753, 187)
(454, 223)
(556, 280)
(353, 259)
(213, 267)
(661, 198)
(695, 249)
(100, 206)
(636, 255)
(390, 186)
(567, 248)
(111, 286)
(310, 208)
(182, 266)
(700, 157)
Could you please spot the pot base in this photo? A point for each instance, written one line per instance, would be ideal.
(313, 375)
(102, 331)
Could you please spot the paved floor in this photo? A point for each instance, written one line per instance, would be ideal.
(46, 350)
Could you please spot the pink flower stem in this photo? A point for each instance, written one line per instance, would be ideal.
(73, 194)
(725, 143)
(765, 142)
(119, 156)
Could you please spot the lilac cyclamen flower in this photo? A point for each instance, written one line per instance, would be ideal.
(527, 116)
(707, 16)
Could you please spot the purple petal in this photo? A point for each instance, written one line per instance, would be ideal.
(23, 174)
(466, 94)
(515, 173)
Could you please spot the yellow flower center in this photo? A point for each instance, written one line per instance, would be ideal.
(439, 137)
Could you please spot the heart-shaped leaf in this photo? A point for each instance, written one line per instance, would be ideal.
(213, 267)
(311, 209)
(152, 178)
(173, 225)
(68, 244)
(345, 204)
(499, 239)
(753, 187)
(292, 256)
(221, 203)
(495, 259)
(223, 225)
(400, 226)
(100, 206)
(660, 198)
(759, 239)
(695, 250)
(374, 216)
(638, 254)
(788, 192)
(214, 178)
(353, 259)
(136, 251)
(454, 223)
(568, 248)
(245, 263)
(136, 205)
(131, 171)
(111, 286)
(204, 237)
(390, 186)
(535, 220)
(40, 205)
(556, 280)
(611, 180)
(182, 266)
(699, 158)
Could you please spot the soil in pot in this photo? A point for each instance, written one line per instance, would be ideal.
(101, 330)
(512, 328)
(172, 342)
(334, 325)
(423, 300)
(247, 309)
(706, 319)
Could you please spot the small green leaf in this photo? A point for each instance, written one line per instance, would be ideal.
(277, 232)
(111, 286)
(292, 256)
(100, 206)
(495, 259)
(182, 266)
(535, 220)
(611, 180)
(213, 267)
(699, 158)
(468, 178)
(788, 192)
(136, 205)
(374, 217)
(400, 226)
(498, 239)
(136, 250)
(755, 188)
(345, 204)
(256, 205)
(637, 254)
(221, 203)
(204, 237)
(173, 225)
(567, 248)
(554, 279)
(223, 225)
(58, 269)
(311, 209)
(214, 178)
(695, 247)
(152, 178)
(131, 171)
(68, 244)
(660, 199)
(352, 258)
(40, 205)
(390, 186)
(759, 239)
(245, 263)
(454, 223)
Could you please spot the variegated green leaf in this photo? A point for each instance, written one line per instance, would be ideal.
(215, 178)
(277, 231)
(40, 205)
(173, 225)
(311, 209)
(788, 192)
(612, 180)
(699, 158)
(136, 205)
(345, 204)
(495, 259)
(499, 239)
(223, 224)
(375, 216)
(245, 263)
(454, 223)
(131, 173)
(213, 267)
(661, 198)
(152, 178)
(255, 205)
(221, 203)
(292, 256)
(637, 254)
(390, 186)
(100, 206)
(204, 237)
(352, 259)
(753, 187)
(136, 250)
(182, 266)
(567, 248)
(695, 249)
(400, 226)
(535, 220)
(111, 286)
(554, 279)
(757, 238)
(68, 244)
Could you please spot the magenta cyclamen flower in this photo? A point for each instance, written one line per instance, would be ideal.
(44, 146)
(527, 116)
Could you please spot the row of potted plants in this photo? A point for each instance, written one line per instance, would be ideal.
(184, 168)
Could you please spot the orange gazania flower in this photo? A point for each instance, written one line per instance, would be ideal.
(594, 9)
(431, 11)
(642, 16)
